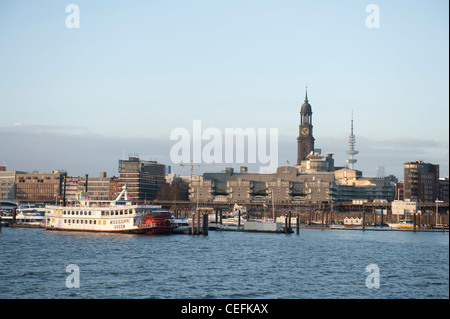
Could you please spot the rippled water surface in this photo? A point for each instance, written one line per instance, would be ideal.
(314, 264)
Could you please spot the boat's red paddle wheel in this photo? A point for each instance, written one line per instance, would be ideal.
(157, 223)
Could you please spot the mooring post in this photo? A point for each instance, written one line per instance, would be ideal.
(374, 217)
(382, 217)
(290, 219)
(193, 224)
(14, 216)
(205, 224)
(239, 218)
(221, 215)
(298, 224)
(198, 222)
(414, 221)
(322, 222)
(286, 224)
(364, 220)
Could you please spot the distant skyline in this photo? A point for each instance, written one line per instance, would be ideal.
(78, 99)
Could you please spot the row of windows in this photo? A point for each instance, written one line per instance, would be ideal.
(81, 221)
(103, 213)
(94, 221)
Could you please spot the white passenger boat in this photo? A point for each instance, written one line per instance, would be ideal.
(119, 215)
(24, 217)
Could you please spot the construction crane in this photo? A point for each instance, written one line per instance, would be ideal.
(198, 164)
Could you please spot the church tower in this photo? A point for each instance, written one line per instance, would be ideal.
(305, 140)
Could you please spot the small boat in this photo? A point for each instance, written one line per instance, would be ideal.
(233, 221)
(338, 226)
(402, 224)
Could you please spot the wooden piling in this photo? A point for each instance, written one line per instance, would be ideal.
(205, 224)
(374, 217)
(298, 225)
(239, 218)
(285, 224)
(14, 212)
(193, 224)
(198, 222)
(290, 219)
(364, 220)
(322, 222)
(414, 221)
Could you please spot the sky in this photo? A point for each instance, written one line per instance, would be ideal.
(82, 98)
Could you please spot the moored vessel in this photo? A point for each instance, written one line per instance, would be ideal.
(406, 224)
(119, 215)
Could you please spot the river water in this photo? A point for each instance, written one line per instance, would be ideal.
(314, 264)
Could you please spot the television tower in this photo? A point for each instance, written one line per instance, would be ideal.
(351, 151)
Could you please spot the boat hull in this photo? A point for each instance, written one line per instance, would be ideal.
(145, 230)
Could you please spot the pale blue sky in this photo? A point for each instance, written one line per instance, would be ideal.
(135, 70)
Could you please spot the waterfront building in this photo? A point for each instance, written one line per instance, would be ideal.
(7, 183)
(421, 181)
(39, 187)
(350, 184)
(287, 185)
(142, 178)
(98, 188)
(405, 207)
(444, 189)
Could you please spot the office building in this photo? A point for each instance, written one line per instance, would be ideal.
(421, 181)
(39, 187)
(142, 178)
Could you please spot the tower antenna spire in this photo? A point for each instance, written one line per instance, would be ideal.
(351, 143)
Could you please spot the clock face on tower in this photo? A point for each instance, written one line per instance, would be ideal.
(305, 131)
